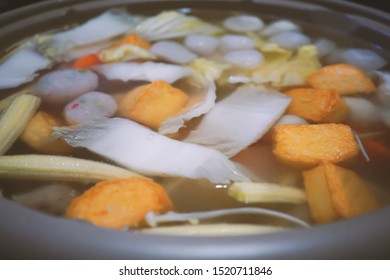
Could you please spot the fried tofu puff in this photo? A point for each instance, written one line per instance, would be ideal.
(121, 203)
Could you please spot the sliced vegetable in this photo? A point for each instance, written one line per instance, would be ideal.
(240, 119)
(86, 61)
(15, 118)
(133, 39)
(153, 103)
(38, 134)
(213, 230)
(202, 93)
(209, 68)
(344, 78)
(147, 71)
(125, 52)
(308, 145)
(120, 203)
(79, 52)
(153, 220)
(172, 24)
(260, 192)
(271, 51)
(109, 25)
(22, 67)
(59, 168)
(285, 71)
(62, 86)
(139, 148)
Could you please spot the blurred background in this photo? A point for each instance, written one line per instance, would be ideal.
(6, 5)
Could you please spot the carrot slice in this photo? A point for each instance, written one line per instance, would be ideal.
(134, 40)
(86, 61)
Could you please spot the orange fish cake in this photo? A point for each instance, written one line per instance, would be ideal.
(120, 203)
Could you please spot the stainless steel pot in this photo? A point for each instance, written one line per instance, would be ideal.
(28, 234)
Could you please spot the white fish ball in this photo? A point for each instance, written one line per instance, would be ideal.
(90, 106)
(362, 111)
(201, 44)
(62, 86)
(365, 60)
(235, 42)
(324, 46)
(290, 40)
(247, 59)
(278, 27)
(290, 119)
(383, 92)
(173, 52)
(243, 23)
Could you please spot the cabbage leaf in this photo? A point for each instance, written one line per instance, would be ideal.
(240, 119)
(125, 52)
(172, 24)
(283, 72)
(103, 27)
(21, 67)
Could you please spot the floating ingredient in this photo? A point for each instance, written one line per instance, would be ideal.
(62, 86)
(147, 71)
(240, 119)
(22, 67)
(262, 192)
(59, 168)
(138, 148)
(15, 118)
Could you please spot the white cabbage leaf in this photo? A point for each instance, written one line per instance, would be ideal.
(202, 92)
(103, 27)
(172, 24)
(240, 119)
(284, 71)
(125, 52)
(141, 149)
(21, 67)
